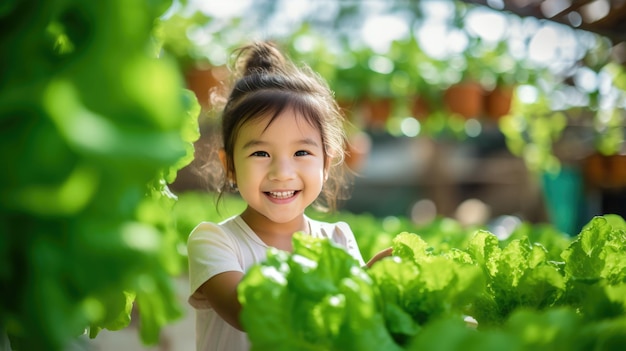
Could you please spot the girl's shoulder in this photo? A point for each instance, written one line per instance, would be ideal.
(226, 227)
(210, 224)
(233, 230)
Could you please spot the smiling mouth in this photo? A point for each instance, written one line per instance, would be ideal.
(281, 194)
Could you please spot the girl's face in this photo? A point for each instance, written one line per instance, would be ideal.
(279, 168)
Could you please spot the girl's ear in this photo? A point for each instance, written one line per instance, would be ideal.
(327, 163)
(224, 160)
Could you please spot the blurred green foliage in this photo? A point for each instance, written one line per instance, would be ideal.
(580, 89)
(93, 127)
(531, 130)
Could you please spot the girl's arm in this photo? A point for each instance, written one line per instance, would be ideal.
(221, 291)
(380, 255)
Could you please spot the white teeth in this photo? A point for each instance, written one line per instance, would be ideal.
(281, 194)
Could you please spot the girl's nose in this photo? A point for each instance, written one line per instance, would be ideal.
(282, 169)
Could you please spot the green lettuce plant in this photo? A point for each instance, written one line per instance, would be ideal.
(318, 297)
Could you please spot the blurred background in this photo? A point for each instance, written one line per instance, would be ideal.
(464, 109)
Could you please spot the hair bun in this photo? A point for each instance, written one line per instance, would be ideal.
(260, 57)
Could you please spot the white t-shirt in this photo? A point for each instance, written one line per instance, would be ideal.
(232, 246)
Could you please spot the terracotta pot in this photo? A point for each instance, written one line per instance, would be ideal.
(606, 171)
(204, 81)
(420, 108)
(347, 108)
(357, 150)
(465, 99)
(375, 112)
(498, 102)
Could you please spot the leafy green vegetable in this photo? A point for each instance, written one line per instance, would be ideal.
(318, 298)
(598, 251)
(442, 284)
(553, 240)
(453, 334)
(93, 127)
(418, 299)
(595, 268)
(560, 328)
(518, 275)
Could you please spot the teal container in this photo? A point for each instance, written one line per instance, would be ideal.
(564, 198)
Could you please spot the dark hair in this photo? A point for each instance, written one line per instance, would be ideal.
(267, 84)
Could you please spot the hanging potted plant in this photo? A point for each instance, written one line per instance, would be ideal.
(507, 72)
(465, 96)
(605, 171)
(204, 80)
(464, 99)
(604, 119)
(413, 91)
(364, 88)
(203, 74)
(348, 83)
(498, 101)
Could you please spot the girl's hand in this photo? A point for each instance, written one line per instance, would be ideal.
(380, 255)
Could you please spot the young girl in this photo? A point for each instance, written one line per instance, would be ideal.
(283, 142)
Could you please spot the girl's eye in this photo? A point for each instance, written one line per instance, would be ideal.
(302, 153)
(260, 154)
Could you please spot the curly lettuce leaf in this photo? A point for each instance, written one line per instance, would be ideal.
(598, 251)
(318, 297)
(518, 275)
(428, 285)
(595, 268)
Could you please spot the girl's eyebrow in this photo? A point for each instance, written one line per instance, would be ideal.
(307, 141)
(253, 143)
(256, 143)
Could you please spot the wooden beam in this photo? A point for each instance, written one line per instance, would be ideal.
(612, 26)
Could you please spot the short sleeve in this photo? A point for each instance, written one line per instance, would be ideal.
(210, 251)
(340, 233)
(350, 241)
